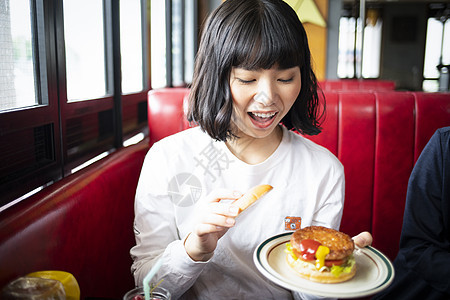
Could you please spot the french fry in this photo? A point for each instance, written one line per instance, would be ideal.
(251, 196)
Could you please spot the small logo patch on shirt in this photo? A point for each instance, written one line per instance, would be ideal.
(292, 223)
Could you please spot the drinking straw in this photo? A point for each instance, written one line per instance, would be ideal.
(149, 277)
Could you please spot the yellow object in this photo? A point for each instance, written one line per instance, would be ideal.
(68, 281)
(308, 12)
(321, 252)
(314, 14)
(290, 251)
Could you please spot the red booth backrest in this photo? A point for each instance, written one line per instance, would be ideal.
(377, 136)
(357, 84)
(432, 111)
(166, 113)
(374, 137)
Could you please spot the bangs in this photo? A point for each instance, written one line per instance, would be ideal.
(270, 42)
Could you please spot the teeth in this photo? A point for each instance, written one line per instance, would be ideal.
(264, 115)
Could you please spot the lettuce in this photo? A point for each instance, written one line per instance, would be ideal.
(290, 251)
(344, 268)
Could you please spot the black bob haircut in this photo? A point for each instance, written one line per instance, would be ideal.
(251, 34)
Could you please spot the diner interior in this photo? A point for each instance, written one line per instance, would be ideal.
(89, 98)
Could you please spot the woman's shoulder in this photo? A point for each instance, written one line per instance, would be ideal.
(301, 140)
(191, 138)
(312, 149)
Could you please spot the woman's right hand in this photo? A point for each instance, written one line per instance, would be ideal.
(213, 219)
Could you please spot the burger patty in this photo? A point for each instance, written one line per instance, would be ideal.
(340, 244)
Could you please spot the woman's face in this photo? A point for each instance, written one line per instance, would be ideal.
(261, 98)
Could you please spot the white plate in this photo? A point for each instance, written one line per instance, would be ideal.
(374, 271)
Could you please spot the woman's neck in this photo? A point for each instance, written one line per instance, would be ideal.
(255, 150)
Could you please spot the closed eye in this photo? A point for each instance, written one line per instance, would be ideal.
(243, 81)
(286, 80)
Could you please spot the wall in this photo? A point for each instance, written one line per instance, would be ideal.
(317, 38)
(403, 45)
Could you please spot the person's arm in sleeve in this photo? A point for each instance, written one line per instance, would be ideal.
(157, 236)
(425, 234)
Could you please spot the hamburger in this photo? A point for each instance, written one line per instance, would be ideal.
(321, 254)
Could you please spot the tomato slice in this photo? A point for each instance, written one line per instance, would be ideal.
(336, 262)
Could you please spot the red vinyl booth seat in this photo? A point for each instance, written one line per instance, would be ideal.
(82, 224)
(377, 135)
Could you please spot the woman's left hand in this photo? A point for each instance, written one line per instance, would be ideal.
(363, 239)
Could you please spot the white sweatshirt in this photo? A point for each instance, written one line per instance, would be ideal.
(307, 180)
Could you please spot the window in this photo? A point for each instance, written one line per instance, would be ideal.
(61, 99)
(372, 45)
(173, 42)
(190, 40)
(177, 43)
(28, 121)
(437, 55)
(85, 49)
(347, 55)
(158, 44)
(350, 62)
(17, 68)
(131, 39)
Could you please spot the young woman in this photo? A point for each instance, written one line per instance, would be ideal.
(252, 87)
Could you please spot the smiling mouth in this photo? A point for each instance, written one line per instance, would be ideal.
(262, 120)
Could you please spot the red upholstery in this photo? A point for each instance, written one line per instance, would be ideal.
(357, 84)
(432, 110)
(393, 164)
(377, 135)
(329, 135)
(166, 117)
(357, 129)
(82, 224)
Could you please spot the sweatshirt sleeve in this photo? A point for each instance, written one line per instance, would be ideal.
(156, 233)
(425, 240)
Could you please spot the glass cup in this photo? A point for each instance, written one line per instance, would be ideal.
(158, 293)
(33, 288)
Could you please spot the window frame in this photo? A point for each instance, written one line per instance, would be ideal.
(185, 36)
(439, 12)
(58, 110)
(349, 12)
(15, 120)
